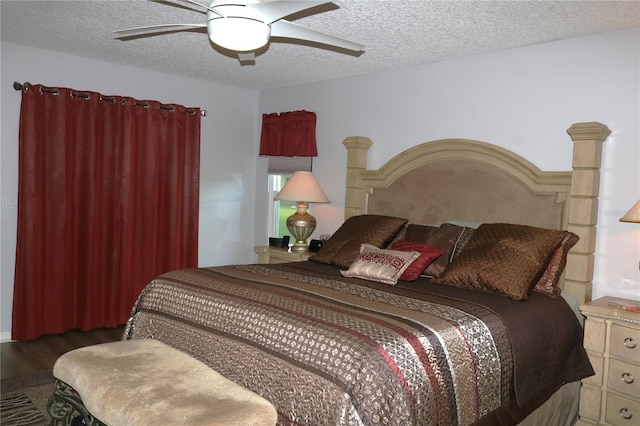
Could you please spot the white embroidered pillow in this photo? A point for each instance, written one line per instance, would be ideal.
(376, 264)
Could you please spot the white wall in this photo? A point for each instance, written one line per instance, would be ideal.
(522, 99)
(228, 148)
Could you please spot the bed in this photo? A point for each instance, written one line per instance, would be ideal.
(443, 299)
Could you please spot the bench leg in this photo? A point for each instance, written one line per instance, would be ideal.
(66, 405)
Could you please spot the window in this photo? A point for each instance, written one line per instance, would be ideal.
(279, 211)
(280, 170)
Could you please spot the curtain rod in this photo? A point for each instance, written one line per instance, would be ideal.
(20, 86)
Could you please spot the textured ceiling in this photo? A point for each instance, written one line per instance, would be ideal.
(396, 33)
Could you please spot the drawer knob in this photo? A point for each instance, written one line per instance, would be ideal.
(627, 378)
(625, 413)
(630, 342)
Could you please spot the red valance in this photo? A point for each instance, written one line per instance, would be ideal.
(289, 134)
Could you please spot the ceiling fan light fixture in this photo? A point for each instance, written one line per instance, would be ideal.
(246, 26)
(238, 34)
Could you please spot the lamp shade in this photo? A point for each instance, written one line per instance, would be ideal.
(633, 215)
(302, 186)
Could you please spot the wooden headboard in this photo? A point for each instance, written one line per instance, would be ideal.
(472, 181)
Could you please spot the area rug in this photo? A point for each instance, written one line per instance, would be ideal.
(23, 400)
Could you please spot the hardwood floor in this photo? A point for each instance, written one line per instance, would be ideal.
(23, 358)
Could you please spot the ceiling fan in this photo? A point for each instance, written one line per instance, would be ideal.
(246, 26)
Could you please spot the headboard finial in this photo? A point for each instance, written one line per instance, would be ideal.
(357, 142)
(589, 131)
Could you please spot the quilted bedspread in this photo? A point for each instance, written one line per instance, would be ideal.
(329, 350)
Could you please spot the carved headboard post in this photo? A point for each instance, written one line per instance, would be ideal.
(355, 196)
(585, 188)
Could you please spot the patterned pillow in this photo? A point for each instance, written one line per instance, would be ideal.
(504, 259)
(427, 252)
(343, 247)
(385, 266)
(548, 284)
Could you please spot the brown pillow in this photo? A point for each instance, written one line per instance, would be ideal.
(451, 238)
(427, 252)
(548, 284)
(503, 258)
(419, 233)
(343, 247)
(399, 235)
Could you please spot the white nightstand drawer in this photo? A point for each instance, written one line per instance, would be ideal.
(625, 342)
(622, 411)
(624, 378)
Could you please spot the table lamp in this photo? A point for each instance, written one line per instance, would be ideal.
(633, 215)
(302, 188)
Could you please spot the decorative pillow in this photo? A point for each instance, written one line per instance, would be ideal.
(343, 247)
(452, 238)
(462, 242)
(472, 225)
(381, 265)
(427, 252)
(419, 233)
(504, 259)
(399, 235)
(548, 284)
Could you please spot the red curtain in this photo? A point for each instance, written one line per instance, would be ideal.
(289, 134)
(107, 199)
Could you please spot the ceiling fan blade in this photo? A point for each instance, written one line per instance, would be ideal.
(160, 27)
(288, 29)
(205, 6)
(272, 11)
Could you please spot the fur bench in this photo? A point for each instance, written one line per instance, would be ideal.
(145, 382)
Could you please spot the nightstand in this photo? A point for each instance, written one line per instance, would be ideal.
(612, 341)
(267, 254)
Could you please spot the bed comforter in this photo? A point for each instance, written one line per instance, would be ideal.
(330, 350)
